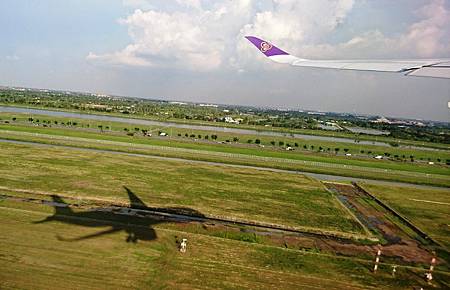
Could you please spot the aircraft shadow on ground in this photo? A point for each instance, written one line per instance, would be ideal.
(136, 226)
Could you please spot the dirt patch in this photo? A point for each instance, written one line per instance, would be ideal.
(397, 243)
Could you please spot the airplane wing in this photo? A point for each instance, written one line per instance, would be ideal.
(437, 68)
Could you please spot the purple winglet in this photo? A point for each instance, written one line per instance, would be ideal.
(265, 47)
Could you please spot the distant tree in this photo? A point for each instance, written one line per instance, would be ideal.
(136, 129)
(369, 152)
(31, 120)
(130, 134)
(257, 141)
(100, 127)
(125, 129)
(206, 137)
(296, 144)
(312, 147)
(214, 137)
(305, 147)
(75, 123)
(249, 141)
(192, 136)
(235, 139)
(337, 150)
(362, 151)
(280, 143)
(320, 148)
(272, 142)
(14, 118)
(107, 127)
(179, 134)
(199, 136)
(447, 161)
(345, 150)
(186, 135)
(438, 160)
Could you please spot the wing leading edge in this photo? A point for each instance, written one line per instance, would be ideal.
(437, 68)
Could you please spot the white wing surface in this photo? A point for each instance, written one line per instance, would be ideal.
(437, 68)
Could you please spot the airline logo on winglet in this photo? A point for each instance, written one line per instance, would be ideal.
(265, 46)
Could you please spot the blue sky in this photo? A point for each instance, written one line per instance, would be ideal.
(194, 50)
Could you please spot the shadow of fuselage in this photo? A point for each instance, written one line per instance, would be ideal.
(136, 226)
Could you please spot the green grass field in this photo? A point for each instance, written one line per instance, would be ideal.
(33, 257)
(416, 173)
(354, 148)
(37, 256)
(427, 209)
(279, 198)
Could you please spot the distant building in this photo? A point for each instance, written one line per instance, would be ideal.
(230, 120)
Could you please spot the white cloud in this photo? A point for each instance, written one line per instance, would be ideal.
(204, 35)
(13, 57)
(426, 38)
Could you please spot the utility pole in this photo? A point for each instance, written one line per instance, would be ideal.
(429, 274)
(377, 260)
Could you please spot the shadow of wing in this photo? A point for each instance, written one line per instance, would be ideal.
(98, 234)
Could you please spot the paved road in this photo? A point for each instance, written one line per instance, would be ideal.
(322, 177)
